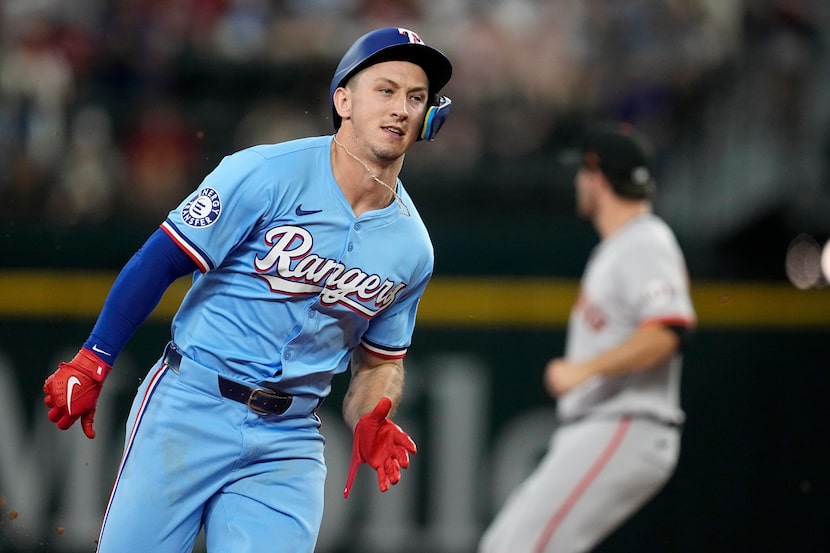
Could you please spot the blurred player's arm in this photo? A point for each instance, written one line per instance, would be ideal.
(374, 391)
(649, 346)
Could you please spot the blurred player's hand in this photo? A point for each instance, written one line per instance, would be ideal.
(561, 376)
(72, 391)
(382, 445)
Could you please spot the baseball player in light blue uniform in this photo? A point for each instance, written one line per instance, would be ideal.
(308, 257)
(618, 385)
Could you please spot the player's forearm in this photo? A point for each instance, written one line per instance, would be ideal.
(368, 385)
(646, 348)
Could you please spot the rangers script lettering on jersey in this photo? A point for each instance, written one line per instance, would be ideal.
(313, 274)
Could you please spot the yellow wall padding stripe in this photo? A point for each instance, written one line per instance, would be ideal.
(452, 302)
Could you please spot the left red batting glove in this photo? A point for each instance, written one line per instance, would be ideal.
(382, 445)
(72, 391)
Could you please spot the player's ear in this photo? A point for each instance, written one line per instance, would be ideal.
(342, 100)
(590, 180)
(602, 184)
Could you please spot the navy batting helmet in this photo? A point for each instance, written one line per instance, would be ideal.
(398, 44)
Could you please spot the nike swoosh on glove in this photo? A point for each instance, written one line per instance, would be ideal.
(72, 391)
(382, 445)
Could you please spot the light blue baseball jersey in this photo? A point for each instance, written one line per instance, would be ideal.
(290, 280)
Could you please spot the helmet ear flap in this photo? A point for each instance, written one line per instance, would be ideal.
(435, 117)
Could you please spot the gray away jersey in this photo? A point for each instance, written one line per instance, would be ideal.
(635, 277)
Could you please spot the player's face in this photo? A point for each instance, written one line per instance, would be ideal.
(388, 103)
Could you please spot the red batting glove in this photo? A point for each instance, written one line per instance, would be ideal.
(72, 391)
(381, 444)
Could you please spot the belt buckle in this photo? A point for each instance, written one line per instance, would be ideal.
(251, 398)
(172, 358)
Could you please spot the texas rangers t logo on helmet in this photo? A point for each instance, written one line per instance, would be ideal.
(411, 35)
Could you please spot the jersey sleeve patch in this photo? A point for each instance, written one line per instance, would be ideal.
(197, 255)
(383, 351)
(203, 209)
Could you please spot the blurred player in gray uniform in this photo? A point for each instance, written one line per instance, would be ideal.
(618, 385)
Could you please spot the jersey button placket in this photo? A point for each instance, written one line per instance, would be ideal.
(350, 245)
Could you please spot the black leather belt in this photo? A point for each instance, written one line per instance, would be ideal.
(262, 401)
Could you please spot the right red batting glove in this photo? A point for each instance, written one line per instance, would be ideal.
(381, 444)
(72, 391)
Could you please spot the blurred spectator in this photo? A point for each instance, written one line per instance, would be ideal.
(484, 74)
(241, 33)
(161, 155)
(787, 44)
(318, 31)
(277, 121)
(383, 13)
(36, 84)
(89, 181)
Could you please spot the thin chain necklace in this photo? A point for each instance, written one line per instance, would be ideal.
(402, 207)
